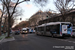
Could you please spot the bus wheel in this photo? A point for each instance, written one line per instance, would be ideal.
(72, 36)
(62, 37)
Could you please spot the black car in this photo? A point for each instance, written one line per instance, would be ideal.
(17, 32)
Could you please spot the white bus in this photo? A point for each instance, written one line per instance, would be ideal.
(55, 29)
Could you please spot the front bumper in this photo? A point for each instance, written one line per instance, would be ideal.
(66, 35)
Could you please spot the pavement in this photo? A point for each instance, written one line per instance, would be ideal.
(2, 37)
(34, 42)
(6, 39)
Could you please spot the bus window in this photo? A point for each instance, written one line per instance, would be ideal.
(38, 28)
(47, 28)
(55, 28)
(42, 28)
(69, 25)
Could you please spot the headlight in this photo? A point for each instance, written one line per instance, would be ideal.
(23, 31)
(26, 31)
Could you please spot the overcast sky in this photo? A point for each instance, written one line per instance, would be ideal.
(29, 8)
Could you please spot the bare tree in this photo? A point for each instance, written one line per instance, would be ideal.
(11, 4)
(2, 12)
(63, 6)
(5, 24)
(41, 3)
(73, 4)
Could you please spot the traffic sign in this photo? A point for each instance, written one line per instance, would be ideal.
(1, 26)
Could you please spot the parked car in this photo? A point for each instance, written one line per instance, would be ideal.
(17, 32)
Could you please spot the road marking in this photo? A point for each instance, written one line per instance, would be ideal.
(73, 42)
(66, 40)
(58, 39)
(70, 41)
(62, 40)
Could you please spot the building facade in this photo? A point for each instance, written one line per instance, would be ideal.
(68, 17)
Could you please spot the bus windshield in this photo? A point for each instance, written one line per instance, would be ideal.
(68, 24)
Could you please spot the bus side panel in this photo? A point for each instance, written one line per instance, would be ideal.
(35, 30)
(47, 30)
(39, 31)
(60, 30)
(66, 30)
(44, 31)
(55, 30)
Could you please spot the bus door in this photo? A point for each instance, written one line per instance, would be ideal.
(64, 29)
(69, 29)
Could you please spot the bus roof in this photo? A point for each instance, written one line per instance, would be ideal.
(41, 25)
(52, 23)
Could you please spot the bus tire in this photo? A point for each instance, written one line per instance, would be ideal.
(62, 37)
(72, 36)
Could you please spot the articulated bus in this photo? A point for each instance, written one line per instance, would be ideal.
(55, 29)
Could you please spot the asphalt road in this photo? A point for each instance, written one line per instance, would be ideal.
(34, 42)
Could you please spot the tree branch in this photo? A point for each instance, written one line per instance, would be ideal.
(14, 8)
(16, 5)
(21, 1)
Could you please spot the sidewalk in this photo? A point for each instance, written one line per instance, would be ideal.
(7, 39)
(2, 37)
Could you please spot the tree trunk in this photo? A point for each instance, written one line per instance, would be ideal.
(0, 27)
(8, 31)
(4, 25)
(9, 26)
(1, 22)
(63, 18)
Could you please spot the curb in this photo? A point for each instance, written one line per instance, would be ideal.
(6, 40)
(3, 38)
